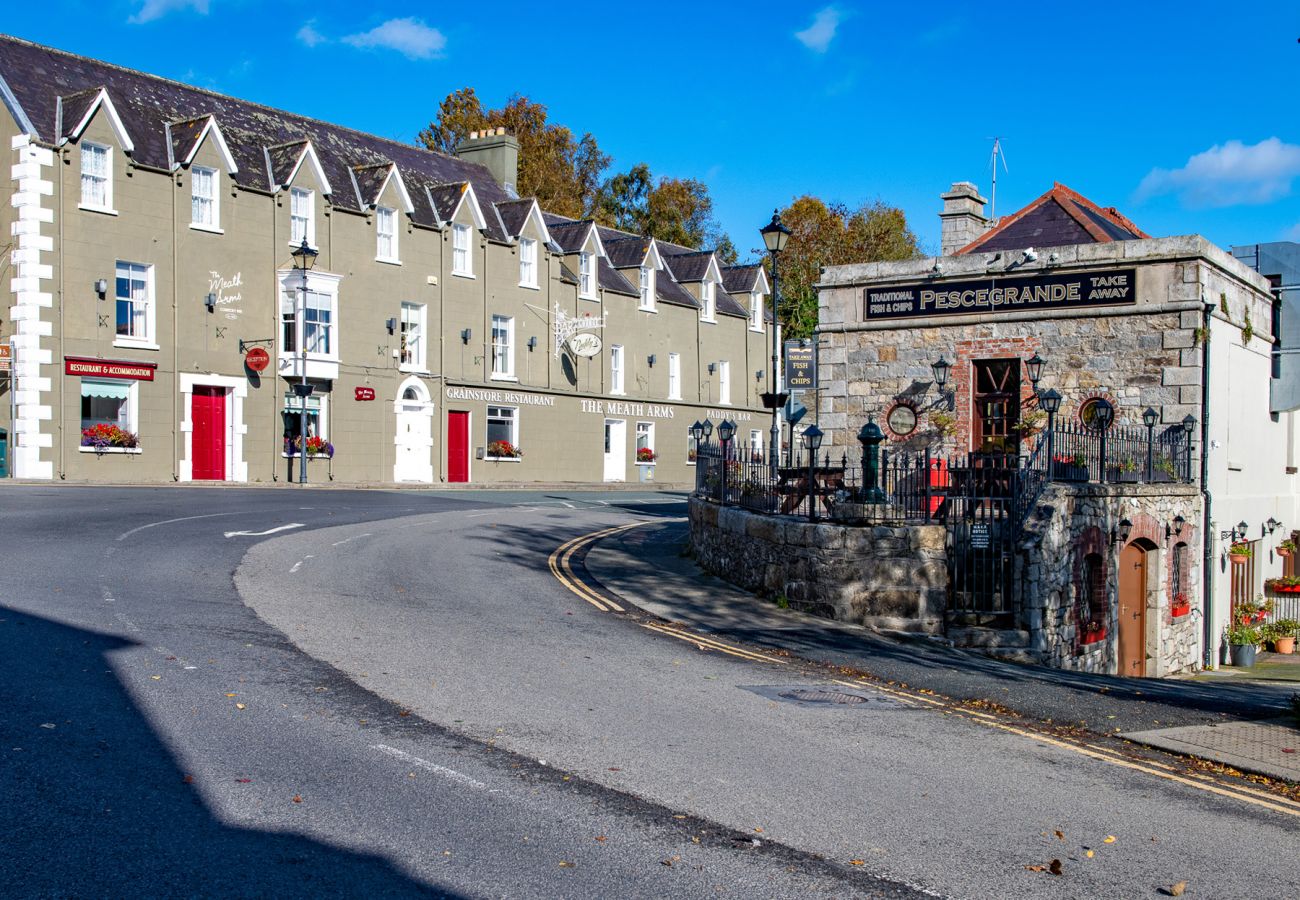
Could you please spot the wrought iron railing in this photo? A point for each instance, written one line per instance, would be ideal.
(1121, 454)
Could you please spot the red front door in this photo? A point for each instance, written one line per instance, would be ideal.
(208, 440)
(457, 447)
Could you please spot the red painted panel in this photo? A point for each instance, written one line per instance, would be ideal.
(458, 447)
(208, 413)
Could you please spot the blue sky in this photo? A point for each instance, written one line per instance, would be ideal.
(1182, 115)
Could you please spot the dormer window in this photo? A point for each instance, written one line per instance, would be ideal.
(205, 208)
(708, 301)
(527, 263)
(586, 272)
(96, 176)
(302, 218)
(756, 311)
(386, 234)
(461, 263)
(647, 288)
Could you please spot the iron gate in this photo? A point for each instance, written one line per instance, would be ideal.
(983, 526)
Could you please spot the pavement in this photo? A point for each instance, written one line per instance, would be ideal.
(1232, 719)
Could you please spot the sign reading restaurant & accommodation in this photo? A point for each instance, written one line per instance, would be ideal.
(1040, 293)
(108, 368)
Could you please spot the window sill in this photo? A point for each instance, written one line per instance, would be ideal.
(708, 321)
(618, 393)
(677, 398)
(210, 229)
(509, 459)
(388, 261)
(646, 463)
(102, 210)
(311, 245)
(413, 370)
(690, 462)
(284, 455)
(135, 345)
(120, 450)
(512, 378)
(592, 297)
(463, 274)
(530, 287)
(649, 309)
(757, 330)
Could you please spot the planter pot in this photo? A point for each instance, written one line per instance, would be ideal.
(1069, 472)
(1284, 645)
(1238, 559)
(1180, 609)
(1243, 655)
(1285, 589)
(1283, 553)
(1119, 476)
(1092, 637)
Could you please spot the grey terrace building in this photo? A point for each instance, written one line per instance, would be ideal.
(449, 330)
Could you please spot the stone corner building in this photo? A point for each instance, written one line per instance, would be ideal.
(450, 330)
(1109, 574)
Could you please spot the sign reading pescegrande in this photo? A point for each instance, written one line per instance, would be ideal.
(108, 368)
(1040, 293)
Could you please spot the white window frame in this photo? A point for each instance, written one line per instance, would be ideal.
(724, 383)
(302, 208)
(320, 284)
(756, 445)
(213, 199)
(146, 340)
(132, 405)
(462, 259)
(514, 430)
(318, 403)
(647, 287)
(648, 430)
(617, 379)
(387, 234)
(502, 346)
(692, 448)
(756, 311)
(89, 150)
(674, 376)
(708, 301)
(412, 332)
(528, 263)
(586, 275)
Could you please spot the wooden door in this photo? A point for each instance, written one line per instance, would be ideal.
(996, 405)
(458, 447)
(1133, 611)
(208, 439)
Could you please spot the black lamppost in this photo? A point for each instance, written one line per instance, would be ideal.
(1189, 425)
(1050, 402)
(701, 462)
(726, 431)
(304, 258)
(708, 429)
(1102, 415)
(775, 237)
(812, 438)
(1149, 419)
(1034, 366)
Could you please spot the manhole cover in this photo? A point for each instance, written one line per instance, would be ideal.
(819, 696)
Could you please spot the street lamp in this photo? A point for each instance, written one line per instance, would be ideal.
(708, 429)
(304, 258)
(1125, 529)
(1050, 402)
(1149, 419)
(1102, 415)
(1189, 425)
(1034, 366)
(941, 370)
(775, 237)
(697, 432)
(812, 438)
(726, 431)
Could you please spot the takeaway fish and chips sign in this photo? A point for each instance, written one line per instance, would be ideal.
(1041, 293)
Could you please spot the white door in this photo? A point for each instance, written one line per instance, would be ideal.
(615, 450)
(414, 438)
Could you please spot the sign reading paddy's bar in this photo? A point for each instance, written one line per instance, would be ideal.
(108, 368)
(1040, 293)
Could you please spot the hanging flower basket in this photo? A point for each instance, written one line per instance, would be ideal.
(1240, 554)
(1181, 606)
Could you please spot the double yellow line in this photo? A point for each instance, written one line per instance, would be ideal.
(704, 643)
(562, 568)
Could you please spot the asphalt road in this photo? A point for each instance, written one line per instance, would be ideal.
(397, 697)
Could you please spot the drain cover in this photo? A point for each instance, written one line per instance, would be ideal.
(823, 696)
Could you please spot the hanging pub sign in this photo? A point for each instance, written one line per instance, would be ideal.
(800, 366)
(108, 368)
(585, 344)
(1039, 293)
(257, 359)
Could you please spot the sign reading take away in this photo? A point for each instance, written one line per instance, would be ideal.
(800, 366)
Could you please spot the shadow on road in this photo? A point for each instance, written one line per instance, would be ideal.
(97, 806)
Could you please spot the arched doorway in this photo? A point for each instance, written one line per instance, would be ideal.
(413, 438)
(1135, 570)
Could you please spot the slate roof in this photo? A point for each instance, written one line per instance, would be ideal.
(739, 279)
(672, 293)
(38, 76)
(514, 214)
(569, 234)
(370, 180)
(183, 134)
(1058, 218)
(626, 252)
(611, 279)
(691, 266)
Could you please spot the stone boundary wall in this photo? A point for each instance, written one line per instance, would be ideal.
(883, 576)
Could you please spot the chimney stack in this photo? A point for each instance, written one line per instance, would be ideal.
(962, 217)
(497, 151)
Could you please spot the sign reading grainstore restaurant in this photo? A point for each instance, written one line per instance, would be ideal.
(1041, 293)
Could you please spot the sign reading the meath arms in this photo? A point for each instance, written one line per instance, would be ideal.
(1041, 293)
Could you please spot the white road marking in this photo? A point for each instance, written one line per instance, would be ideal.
(126, 534)
(353, 538)
(479, 515)
(430, 766)
(299, 563)
(231, 534)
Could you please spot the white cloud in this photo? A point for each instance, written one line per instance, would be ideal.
(408, 36)
(817, 37)
(156, 9)
(308, 34)
(1228, 174)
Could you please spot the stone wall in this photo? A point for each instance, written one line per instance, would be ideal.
(883, 576)
(1072, 521)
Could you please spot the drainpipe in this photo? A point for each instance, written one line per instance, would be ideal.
(1207, 527)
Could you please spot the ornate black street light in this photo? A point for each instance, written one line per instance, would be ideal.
(1102, 415)
(941, 370)
(1189, 425)
(1050, 403)
(726, 431)
(1034, 366)
(708, 429)
(304, 258)
(1149, 419)
(775, 237)
(812, 438)
(1124, 530)
(697, 432)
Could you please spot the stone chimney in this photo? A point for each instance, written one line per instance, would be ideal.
(962, 217)
(496, 150)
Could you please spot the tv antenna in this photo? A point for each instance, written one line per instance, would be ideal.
(993, 161)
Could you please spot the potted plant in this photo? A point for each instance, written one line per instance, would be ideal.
(1093, 632)
(103, 436)
(1181, 605)
(1240, 553)
(1243, 644)
(1286, 548)
(1288, 584)
(1070, 467)
(316, 447)
(1282, 634)
(1125, 472)
(646, 455)
(504, 450)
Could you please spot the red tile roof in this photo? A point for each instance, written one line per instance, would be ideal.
(1058, 218)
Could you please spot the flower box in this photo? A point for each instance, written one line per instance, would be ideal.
(1180, 609)
(1093, 636)
(317, 448)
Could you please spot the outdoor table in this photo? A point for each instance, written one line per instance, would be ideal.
(792, 485)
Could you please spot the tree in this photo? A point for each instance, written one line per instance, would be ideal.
(675, 210)
(831, 235)
(561, 171)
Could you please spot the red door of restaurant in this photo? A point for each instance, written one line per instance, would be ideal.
(208, 439)
(458, 447)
